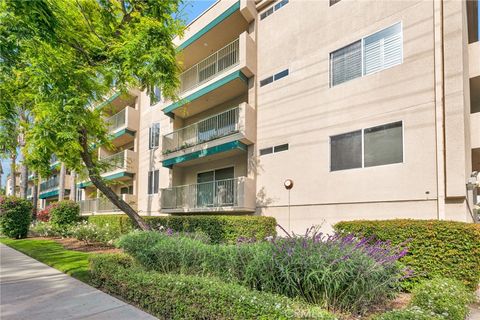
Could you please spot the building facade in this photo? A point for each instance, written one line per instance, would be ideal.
(372, 109)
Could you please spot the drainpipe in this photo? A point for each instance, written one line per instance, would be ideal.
(439, 88)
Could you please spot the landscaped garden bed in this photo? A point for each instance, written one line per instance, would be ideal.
(220, 267)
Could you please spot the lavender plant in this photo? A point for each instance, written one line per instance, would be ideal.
(337, 272)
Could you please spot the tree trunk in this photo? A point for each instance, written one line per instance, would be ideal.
(23, 180)
(73, 186)
(61, 183)
(107, 191)
(13, 172)
(35, 195)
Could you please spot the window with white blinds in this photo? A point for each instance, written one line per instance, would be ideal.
(346, 63)
(154, 136)
(379, 51)
(383, 49)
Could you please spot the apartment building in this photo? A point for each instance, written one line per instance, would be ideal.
(371, 109)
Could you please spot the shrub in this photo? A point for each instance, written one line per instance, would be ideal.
(44, 229)
(64, 213)
(436, 299)
(92, 233)
(437, 248)
(15, 217)
(44, 214)
(335, 272)
(413, 313)
(190, 297)
(220, 229)
(447, 298)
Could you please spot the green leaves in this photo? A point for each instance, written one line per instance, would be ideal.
(436, 248)
(60, 57)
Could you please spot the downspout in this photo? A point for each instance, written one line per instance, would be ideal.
(439, 90)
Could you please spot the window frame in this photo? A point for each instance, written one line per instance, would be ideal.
(151, 182)
(150, 136)
(153, 97)
(402, 123)
(362, 52)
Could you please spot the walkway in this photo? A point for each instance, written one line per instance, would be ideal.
(32, 290)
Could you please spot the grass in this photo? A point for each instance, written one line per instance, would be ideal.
(73, 263)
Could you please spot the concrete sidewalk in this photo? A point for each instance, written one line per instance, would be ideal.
(32, 290)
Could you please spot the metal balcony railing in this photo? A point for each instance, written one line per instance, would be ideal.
(214, 194)
(208, 68)
(101, 205)
(115, 161)
(51, 183)
(211, 128)
(117, 121)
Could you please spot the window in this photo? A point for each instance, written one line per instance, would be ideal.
(266, 13)
(126, 190)
(79, 194)
(270, 10)
(375, 146)
(266, 151)
(275, 149)
(346, 63)
(383, 144)
(383, 49)
(379, 51)
(280, 4)
(277, 76)
(266, 81)
(155, 96)
(280, 75)
(154, 136)
(280, 148)
(153, 182)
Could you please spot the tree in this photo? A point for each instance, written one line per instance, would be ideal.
(67, 56)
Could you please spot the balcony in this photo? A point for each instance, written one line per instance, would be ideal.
(237, 124)
(49, 188)
(228, 195)
(219, 62)
(218, 78)
(103, 205)
(123, 161)
(123, 125)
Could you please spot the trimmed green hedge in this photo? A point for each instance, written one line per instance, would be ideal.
(15, 217)
(190, 297)
(436, 248)
(220, 229)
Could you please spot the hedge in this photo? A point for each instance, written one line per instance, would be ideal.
(15, 217)
(436, 248)
(64, 213)
(190, 297)
(220, 229)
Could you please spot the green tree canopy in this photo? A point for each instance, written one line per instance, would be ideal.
(61, 57)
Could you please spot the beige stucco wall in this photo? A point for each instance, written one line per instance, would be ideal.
(302, 110)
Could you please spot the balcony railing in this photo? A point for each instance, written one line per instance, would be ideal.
(214, 194)
(114, 161)
(208, 68)
(117, 121)
(49, 184)
(211, 128)
(102, 205)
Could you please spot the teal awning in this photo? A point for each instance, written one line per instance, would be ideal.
(110, 177)
(234, 145)
(227, 13)
(168, 110)
(48, 194)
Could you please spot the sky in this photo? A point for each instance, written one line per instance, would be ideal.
(191, 10)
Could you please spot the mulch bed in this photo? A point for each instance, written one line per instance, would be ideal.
(77, 245)
(400, 302)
